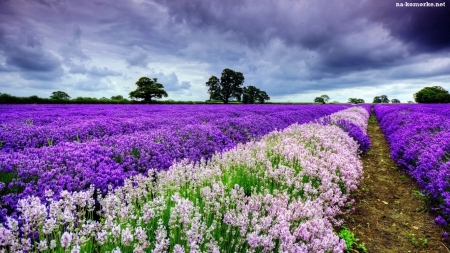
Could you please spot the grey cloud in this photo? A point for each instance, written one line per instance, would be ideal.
(137, 57)
(71, 51)
(321, 27)
(24, 53)
(101, 72)
(425, 29)
(77, 68)
(171, 82)
(283, 47)
(92, 71)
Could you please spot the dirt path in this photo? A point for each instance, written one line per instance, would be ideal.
(390, 213)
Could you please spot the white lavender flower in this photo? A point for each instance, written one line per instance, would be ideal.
(66, 239)
(127, 237)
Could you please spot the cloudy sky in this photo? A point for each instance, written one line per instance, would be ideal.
(295, 50)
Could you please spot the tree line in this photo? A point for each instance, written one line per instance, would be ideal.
(434, 94)
(229, 88)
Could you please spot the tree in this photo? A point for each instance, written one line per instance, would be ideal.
(118, 97)
(395, 101)
(356, 101)
(147, 89)
(262, 97)
(229, 86)
(213, 88)
(435, 94)
(326, 98)
(380, 99)
(319, 100)
(59, 95)
(251, 94)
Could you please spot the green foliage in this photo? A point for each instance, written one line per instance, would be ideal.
(417, 242)
(5, 180)
(395, 101)
(118, 97)
(424, 200)
(228, 87)
(326, 98)
(59, 95)
(319, 100)
(251, 94)
(356, 101)
(148, 89)
(6, 98)
(350, 240)
(435, 94)
(383, 99)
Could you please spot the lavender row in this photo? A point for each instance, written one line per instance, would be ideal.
(47, 125)
(283, 193)
(420, 143)
(74, 166)
(354, 122)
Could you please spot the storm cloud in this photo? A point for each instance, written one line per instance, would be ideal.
(293, 49)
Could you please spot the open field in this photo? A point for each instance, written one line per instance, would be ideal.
(199, 178)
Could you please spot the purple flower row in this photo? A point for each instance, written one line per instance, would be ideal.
(354, 122)
(195, 132)
(419, 137)
(24, 126)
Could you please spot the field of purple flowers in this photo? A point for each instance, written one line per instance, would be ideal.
(419, 137)
(280, 191)
(70, 147)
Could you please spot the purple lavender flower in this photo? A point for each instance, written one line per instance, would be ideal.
(419, 137)
(440, 221)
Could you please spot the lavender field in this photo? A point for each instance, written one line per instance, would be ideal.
(178, 178)
(419, 136)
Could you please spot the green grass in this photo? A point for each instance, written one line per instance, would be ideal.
(351, 241)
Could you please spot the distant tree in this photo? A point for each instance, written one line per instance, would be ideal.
(118, 97)
(262, 97)
(59, 95)
(334, 102)
(356, 101)
(410, 102)
(6, 98)
(228, 87)
(213, 88)
(435, 94)
(395, 101)
(326, 98)
(380, 99)
(319, 100)
(147, 89)
(251, 94)
(34, 99)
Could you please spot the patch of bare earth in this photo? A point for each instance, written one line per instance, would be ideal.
(390, 215)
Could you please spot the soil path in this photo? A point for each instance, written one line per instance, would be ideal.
(390, 213)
